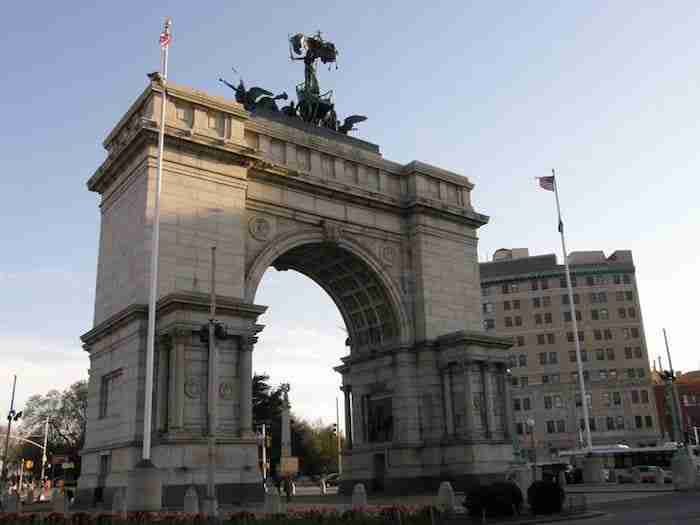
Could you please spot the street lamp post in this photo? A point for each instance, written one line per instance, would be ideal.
(11, 416)
(531, 425)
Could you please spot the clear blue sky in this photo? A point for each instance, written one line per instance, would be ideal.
(603, 91)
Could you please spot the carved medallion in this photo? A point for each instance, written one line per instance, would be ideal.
(388, 254)
(226, 390)
(259, 228)
(193, 387)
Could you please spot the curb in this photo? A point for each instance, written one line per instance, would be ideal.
(543, 519)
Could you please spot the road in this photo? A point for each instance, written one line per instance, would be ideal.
(666, 509)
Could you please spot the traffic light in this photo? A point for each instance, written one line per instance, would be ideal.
(14, 416)
(334, 428)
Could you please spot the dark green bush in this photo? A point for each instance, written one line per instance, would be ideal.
(545, 497)
(498, 499)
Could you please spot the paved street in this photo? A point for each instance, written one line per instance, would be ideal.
(664, 509)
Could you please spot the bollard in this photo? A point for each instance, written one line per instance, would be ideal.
(119, 502)
(191, 503)
(359, 497)
(446, 497)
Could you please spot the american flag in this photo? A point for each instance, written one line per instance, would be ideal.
(165, 35)
(546, 183)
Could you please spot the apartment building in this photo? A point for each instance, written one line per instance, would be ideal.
(525, 297)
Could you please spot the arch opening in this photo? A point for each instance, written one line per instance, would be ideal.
(358, 292)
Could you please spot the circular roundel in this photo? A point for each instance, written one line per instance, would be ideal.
(193, 388)
(260, 228)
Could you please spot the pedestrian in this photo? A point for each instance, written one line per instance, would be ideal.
(288, 488)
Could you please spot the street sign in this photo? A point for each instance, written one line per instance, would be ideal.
(67, 466)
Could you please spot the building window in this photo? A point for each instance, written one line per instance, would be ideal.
(546, 301)
(514, 381)
(488, 308)
(616, 279)
(628, 352)
(589, 280)
(519, 428)
(617, 398)
(105, 464)
(548, 402)
(550, 339)
(572, 356)
(620, 296)
(520, 340)
(526, 403)
(522, 360)
(638, 351)
(604, 315)
(570, 336)
(635, 396)
(104, 395)
(597, 335)
(626, 334)
(632, 313)
(537, 303)
(607, 334)
(610, 423)
(626, 278)
(485, 290)
(630, 373)
(622, 313)
(548, 318)
(561, 426)
(610, 353)
(558, 403)
(509, 321)
(603, 375)
(629, 296)
(645, 397)
(538, 318)
(553, 358)
(518, 320)
(606, 399)
(543, 358)
(516, 304)
(545, 378)
(540, 339)
(638, 421)
(594, 315)
(524, 381)
(599, 297)
(620, 422)
(516, 404)
(489, 324)
(565, 299)
(640, 373)
(635, 332)
(612, 373)
(648, 421)
(505, 288)
(550, 427)
(599, 354)
(506, 305)
(512, 361)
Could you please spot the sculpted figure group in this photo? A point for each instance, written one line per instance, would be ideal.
(312, 106)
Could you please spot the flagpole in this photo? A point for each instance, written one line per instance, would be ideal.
(150, 344)
(579, 362)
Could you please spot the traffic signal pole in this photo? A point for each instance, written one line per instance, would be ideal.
(10, 416)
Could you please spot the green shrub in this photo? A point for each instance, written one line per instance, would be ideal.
(545, 497)
(498, 499)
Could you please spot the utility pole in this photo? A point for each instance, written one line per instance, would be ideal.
(10, 417)
(264, 453)
(211, 402)
(337, 426)
(676, 414)
(43, 456)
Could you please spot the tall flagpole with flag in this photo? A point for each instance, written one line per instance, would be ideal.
(165, 38)
(550, 184)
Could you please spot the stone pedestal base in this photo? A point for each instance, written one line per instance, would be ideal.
(592, 470)
(144, 493)
(683, 468)
(210, 507)
(522, 476)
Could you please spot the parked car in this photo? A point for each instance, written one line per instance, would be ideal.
(644, 473)
(332, 479)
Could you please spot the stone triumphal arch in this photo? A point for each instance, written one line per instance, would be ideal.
(394, 246)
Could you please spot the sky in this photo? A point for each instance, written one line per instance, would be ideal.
(501, 92)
